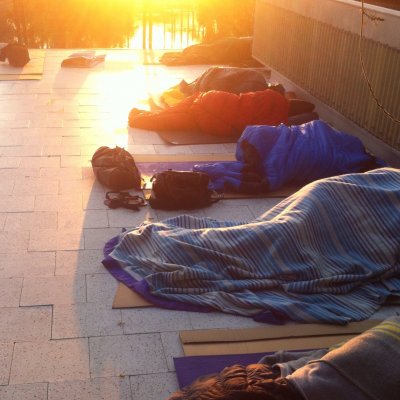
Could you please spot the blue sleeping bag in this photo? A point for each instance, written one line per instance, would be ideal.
(289, 154)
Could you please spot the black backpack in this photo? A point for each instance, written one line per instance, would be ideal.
(116, 168)
(16, 54)
(175, 190)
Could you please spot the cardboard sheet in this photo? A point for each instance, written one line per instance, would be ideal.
(274, 332)
(269, 338)
(127, 298)
(31, 71)
(259, 346)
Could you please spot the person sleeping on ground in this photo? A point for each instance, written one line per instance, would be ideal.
(226, 79)
(363, 368)
(269, 157)
(228, 50)
(221, 113)
(329, 253)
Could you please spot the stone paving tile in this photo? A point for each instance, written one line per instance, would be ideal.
(89, 150)
(11, 140)
(10, 162)
(16, 173)
(51, 361)
(46, 123)
(153, 386)
(6, 354)
(76, 262)
(144, 320)
(13, 242)
(40, 162)
(125, 218)
(64, 202)
(29, 186)
(61, 150)
(164, 214)
(74, 161)
(14, 124)
(52, 131)
(97, 238)
(93, 389)
(260, 206)
(82, 185)
(53, 290)
(10, 292)
(34, 391)
(8, 173)
(222, 212)
(16, 203)
(141, 149)
(42, 140)
(27, 264)
(101, 288)
(126, 355)
(7, 186)
(61, 173)
(84, 320)
(94, 201)
(84, 219)
(172, 149)
(32, 220)
(172, 348)
(143, 137)
(21, 151)
(25, 324)
(207, 149)
(7, 116)
(56, 239)
(3, 217)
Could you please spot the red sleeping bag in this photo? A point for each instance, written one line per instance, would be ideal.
(216, 113)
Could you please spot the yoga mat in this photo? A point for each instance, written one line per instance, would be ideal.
(194, 137)
(31, 71)
(190, 368)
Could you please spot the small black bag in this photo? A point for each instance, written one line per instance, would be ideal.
(16, 54)
(175, 190)
(116, 168)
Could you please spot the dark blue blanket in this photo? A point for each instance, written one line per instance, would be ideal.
(269, 157)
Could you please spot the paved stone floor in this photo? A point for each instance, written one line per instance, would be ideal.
(59, 337)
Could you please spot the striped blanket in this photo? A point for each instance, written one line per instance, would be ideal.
(329, 253)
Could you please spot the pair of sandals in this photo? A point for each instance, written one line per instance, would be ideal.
(124, 200)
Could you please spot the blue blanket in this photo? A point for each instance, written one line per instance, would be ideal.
(329, 253)
(297, 154)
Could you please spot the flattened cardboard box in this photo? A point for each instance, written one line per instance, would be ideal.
(269, 338)
(259, 346)
(128, 298)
